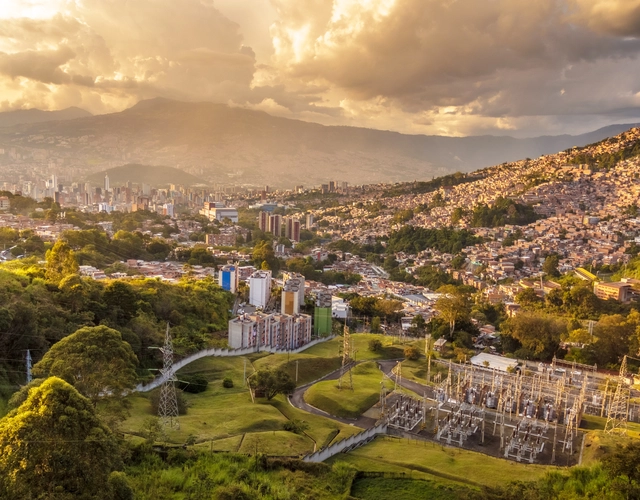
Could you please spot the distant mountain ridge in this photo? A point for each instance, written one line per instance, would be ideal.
(154, 175)
(20, 116)
(222, 144)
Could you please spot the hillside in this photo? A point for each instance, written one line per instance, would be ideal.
(27, 116)
(224, 144)
(154, 175)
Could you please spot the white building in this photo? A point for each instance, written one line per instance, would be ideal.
(494, 362)
(339, 308)
(217, 211)
(260, 288)
(106, 182)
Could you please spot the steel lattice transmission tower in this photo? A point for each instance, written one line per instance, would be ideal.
(346, 358)
(168, 407)
(617, 416)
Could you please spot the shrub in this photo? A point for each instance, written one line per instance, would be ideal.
(375, 345)
(192, 383)
(227, 383)
(295, 426)
(411, 353)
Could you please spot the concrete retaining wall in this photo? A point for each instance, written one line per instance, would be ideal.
(346, 444)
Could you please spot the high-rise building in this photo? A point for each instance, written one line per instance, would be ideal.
(228, 278)
(292, 292)
(275, 225)
(106, 183)
(295, 232)
(263, 221)
(309, 220)
(260, 288)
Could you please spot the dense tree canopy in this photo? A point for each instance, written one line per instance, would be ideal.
(503, 211)
(54, 446)
(95, 360)
(411, 239)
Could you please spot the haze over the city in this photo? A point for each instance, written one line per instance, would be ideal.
(464, 67)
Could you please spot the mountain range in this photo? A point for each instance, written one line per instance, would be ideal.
(19, 116)
(223, 144)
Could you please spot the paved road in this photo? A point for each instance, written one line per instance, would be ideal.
(297, 399)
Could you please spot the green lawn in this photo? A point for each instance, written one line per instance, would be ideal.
(212, 416)
(404, 489)
(597, 443)
(392, 349)
(281, 443)
(322, 430)
(417, 370)
(310, 367)
(231, 444)
(454, 464)
(348, 403)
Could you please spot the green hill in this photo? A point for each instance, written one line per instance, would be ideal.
(154, 175)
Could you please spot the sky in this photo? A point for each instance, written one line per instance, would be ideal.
(445, 67)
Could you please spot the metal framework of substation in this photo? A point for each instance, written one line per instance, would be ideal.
(529, 412)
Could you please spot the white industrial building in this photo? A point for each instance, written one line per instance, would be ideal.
(260, 288)
(494, 362)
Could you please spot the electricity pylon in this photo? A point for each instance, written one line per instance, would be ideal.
(346, 358)
(617, 416)
(168, 407)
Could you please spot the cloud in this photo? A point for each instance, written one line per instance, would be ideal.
(419, 66)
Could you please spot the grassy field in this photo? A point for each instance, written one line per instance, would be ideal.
(276, 443)
(453, 464)
(597, 443)
(417, 370)
(404, 489)
(322, 430)
(348, 403)
(310, 367)
(392, 348)
(227, 420)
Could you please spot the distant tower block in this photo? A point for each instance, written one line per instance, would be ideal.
(168, 407)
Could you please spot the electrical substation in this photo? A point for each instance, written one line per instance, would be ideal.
(529, 415)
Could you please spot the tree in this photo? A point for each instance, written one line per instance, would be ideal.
(375, 325)
(61, 262)
(613, 333)
(54, 446)
(375, 345)
(95, 360)
(452, 305)
(550, 266)
(411, 353)
(271, 383)
(528, 297)
(537, 333)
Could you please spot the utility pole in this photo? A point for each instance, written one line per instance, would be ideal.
(244, 375)
(168, 407)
